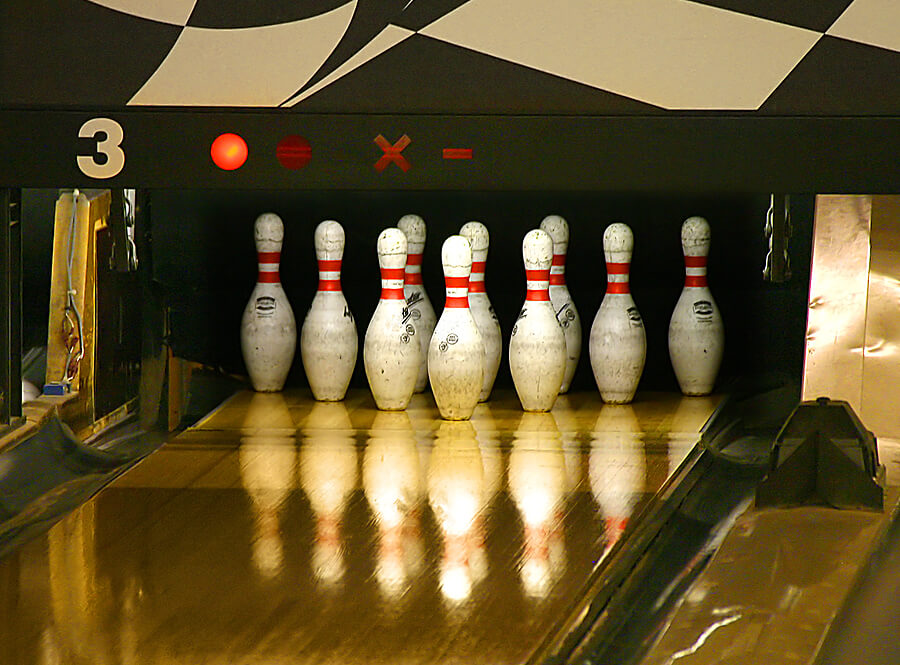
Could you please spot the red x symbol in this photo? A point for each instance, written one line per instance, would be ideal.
(392, 153)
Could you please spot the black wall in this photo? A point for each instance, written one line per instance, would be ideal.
(204, 258)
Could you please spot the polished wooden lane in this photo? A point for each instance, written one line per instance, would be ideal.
(280, 530)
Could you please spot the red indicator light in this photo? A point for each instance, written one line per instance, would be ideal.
(457, 153)
(293, 152)
(229, 152)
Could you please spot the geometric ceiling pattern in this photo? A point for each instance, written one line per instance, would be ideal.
(610, 56)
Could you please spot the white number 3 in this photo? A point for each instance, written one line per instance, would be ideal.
(110, 147)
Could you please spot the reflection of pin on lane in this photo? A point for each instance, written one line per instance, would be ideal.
(391, 352)
(567, 420)
(618, 344)
(537, 481)
(456, 495)
(537, 346)
(328, 339)
(696, 331)
(616, 466)
(268, 329)
(417, 301)
(456, 352)
(477, 235)
(328, 474)
(562, 302)
(491, 456)
(267, 459)
(391, 482)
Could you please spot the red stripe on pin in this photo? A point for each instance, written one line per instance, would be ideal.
(478, 266)
(617, 268)
(329, 265)
(413, 278)
(695, 280)
(456, 302)
(392, 294)
(329, 285)
(456, 282)
(268, 277)
(695, 261)
(541, 294)
(413, 259)
(557, 280)
(617, 287)
(392, 273)
(268, 257)
(476, 287)
(559, 260)
(537, 275)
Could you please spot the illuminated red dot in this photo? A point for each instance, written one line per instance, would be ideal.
(229, 152)
(293, 152)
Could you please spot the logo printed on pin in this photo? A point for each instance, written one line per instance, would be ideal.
(265, 306)
(634, 317)
(703, 310)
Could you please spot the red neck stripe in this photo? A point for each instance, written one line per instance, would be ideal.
(695, 280)
(478, 266)
(537, 294)
(617, 268)
(695, 261)
(456, 302)
(329, 285)
(413, 278)
(476, 287)
(413, 259)
(559, 260)
(557, 280)
(329, 265)
(392, 294)
(392, 273)
(268, 257)
(456, 282)
(618, 287)
(268, 278)
(538, 275)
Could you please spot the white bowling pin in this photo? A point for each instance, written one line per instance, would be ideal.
(537, 347)
(696, 332)
(391, 350)
(560, 298)
(480, 305)
(268, 329)
(416, 299)
(328, 339)
(456, 352)
(618, 341)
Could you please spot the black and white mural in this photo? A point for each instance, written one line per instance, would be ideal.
(833, 57)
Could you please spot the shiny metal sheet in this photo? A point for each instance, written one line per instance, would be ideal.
(280, 530)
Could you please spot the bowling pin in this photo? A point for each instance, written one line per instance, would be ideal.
(480, 305)
(618, 344)
(391, 352)
(268, 329)
(696, 332)
(416, 299)
(537, 347)
(328, 339)
(456, 352)
(562, 303)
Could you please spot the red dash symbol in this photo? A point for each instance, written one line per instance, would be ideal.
(457, 153)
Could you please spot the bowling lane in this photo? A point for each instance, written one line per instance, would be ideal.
(280, 530)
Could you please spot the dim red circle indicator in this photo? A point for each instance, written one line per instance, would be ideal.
(293, 152)
(229, 152)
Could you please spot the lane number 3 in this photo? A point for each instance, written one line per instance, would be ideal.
(108, 158)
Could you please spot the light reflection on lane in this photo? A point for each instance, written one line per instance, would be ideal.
(402, 542)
